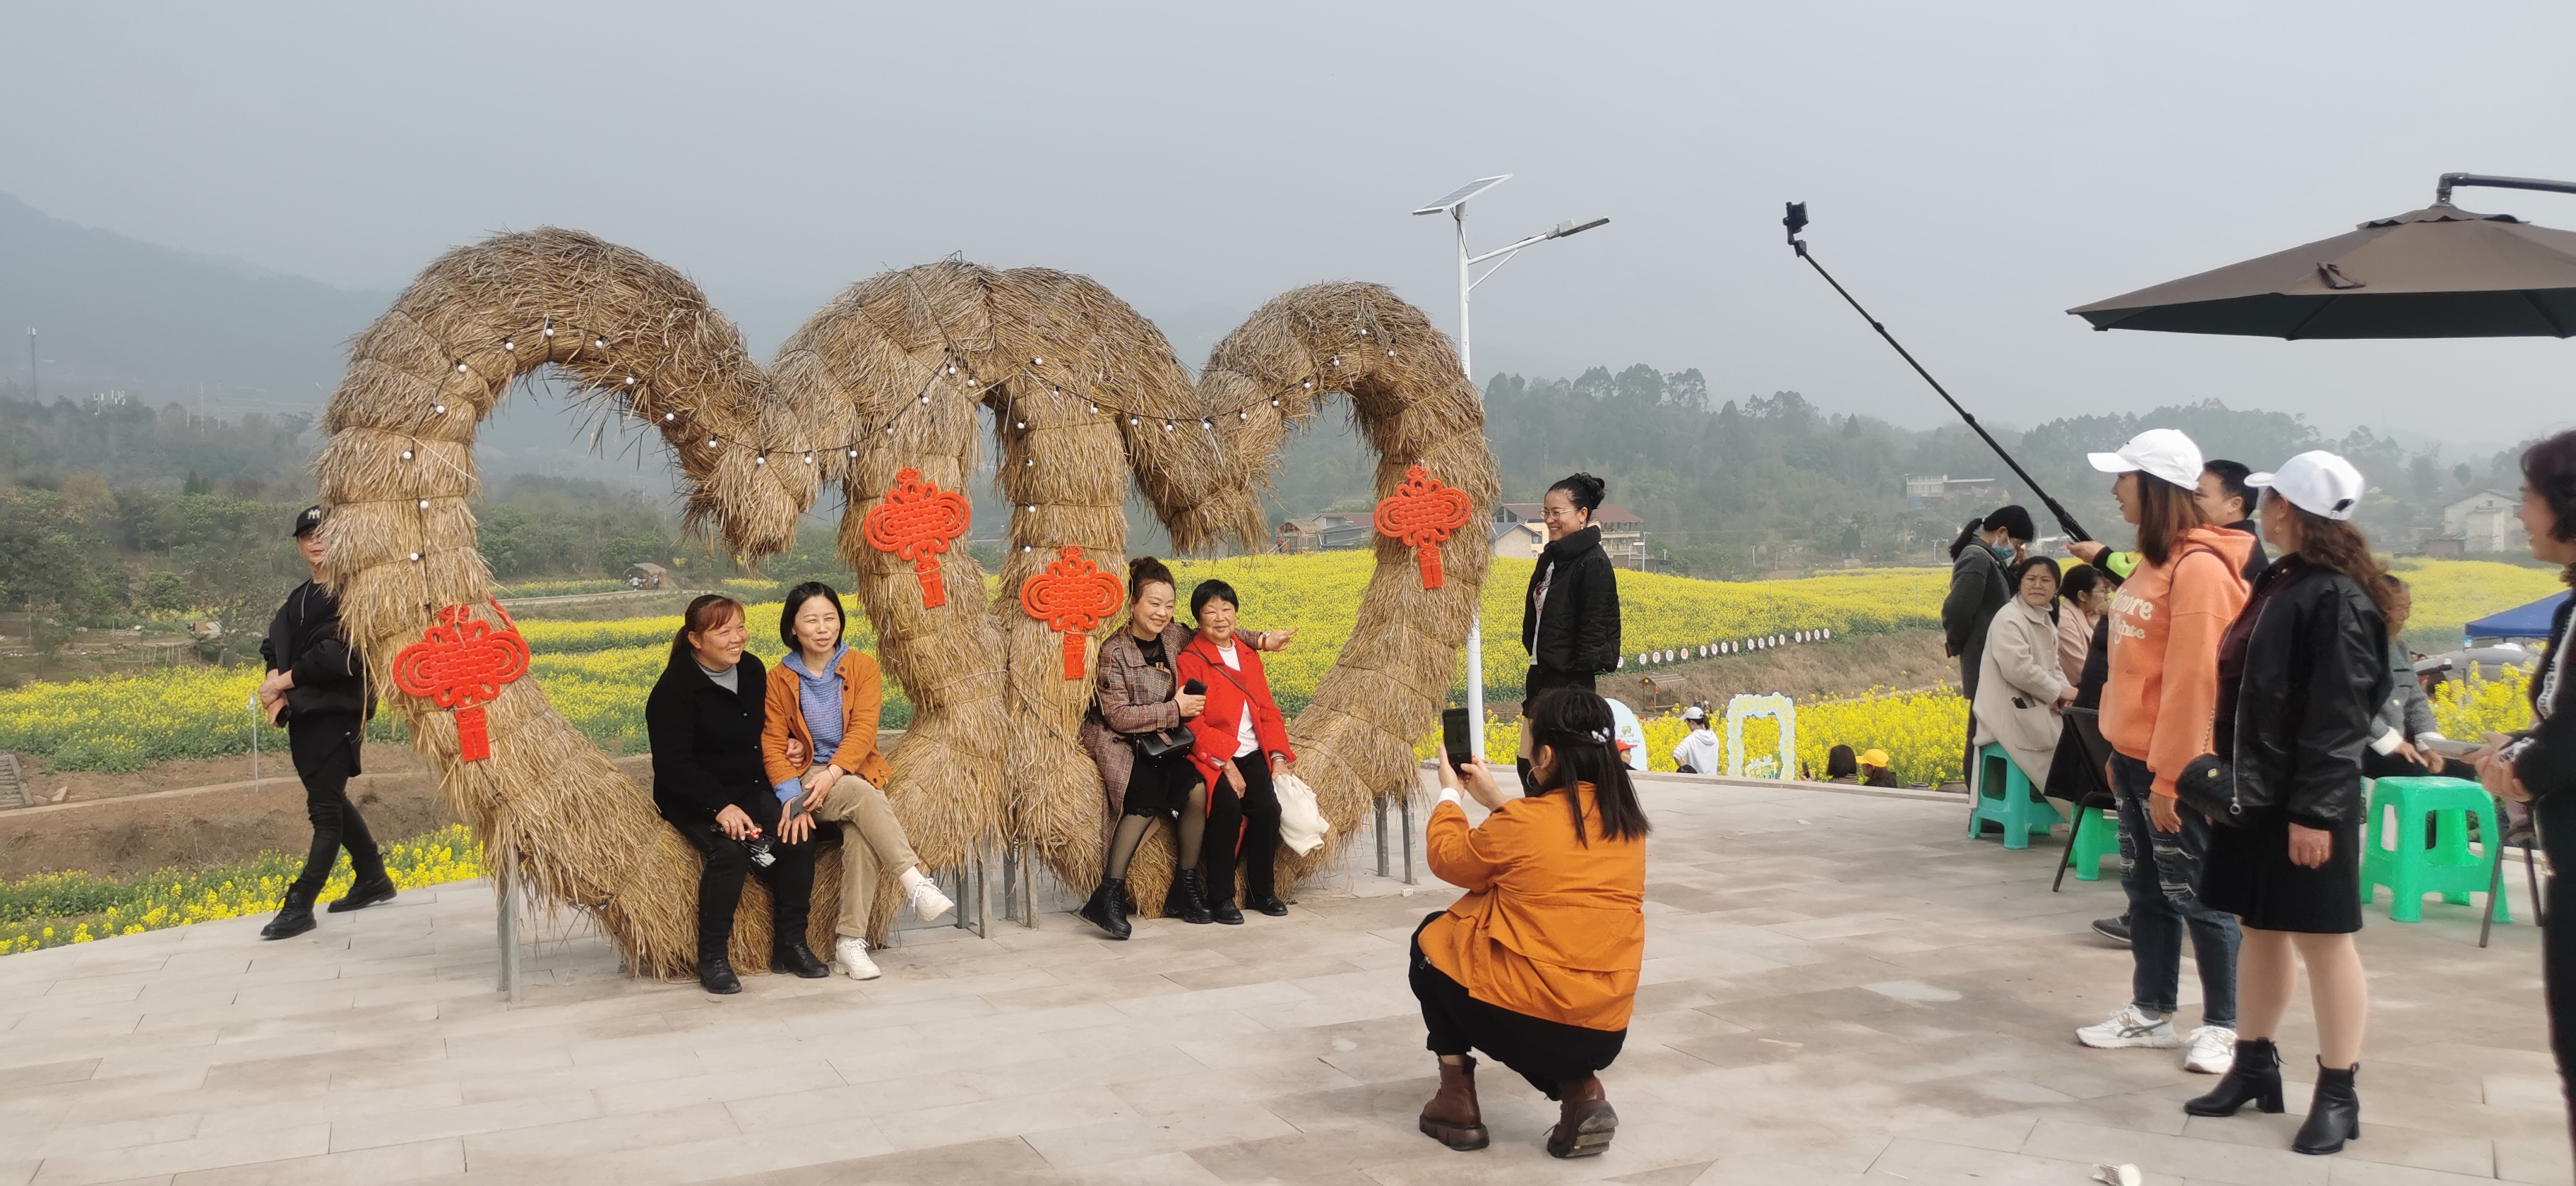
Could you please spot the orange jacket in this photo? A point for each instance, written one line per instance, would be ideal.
(2166, 622)
(862, 692)
(1548, 928)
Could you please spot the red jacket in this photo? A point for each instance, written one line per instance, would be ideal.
(1228, 693)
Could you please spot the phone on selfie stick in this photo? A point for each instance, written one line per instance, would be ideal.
(1453, 737)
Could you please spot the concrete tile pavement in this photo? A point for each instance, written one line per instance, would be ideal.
(1837, 989)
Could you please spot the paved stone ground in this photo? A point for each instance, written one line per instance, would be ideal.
(1838, 988)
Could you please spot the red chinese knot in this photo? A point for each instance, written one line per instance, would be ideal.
(916, 522)
(1072, 596)
(1420, 514)
(459, 663)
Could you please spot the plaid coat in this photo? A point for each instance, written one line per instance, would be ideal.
(1132, 697)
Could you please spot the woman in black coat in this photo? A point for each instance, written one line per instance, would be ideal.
(2538, 765)
(2301, 675)
(704, 718)
(1570, 622)
(1977, 589)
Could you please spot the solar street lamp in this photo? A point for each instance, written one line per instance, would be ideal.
(1454, 204)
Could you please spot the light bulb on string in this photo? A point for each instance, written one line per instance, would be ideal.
(925, 397)
(1022, 425)
(1274, 401)
(1167, 426)
(438, 409)
(1133, 422)
(711, 442)
(424, 504)
(809, 459)
(1206, 423)
(760, 459)
(460, 366)
(415, 557)
(952, 368)
(1095, 409)
(509, 346)
(598, 342)
(670, 417)
(549, 329)
(1243, 415)
(1039, 362)
(406, 454)
(854, 455)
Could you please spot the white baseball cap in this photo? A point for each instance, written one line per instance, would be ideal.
(2317, 482)
(1693, 713)
(2164, 452)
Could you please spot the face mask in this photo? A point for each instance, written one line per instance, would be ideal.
(2002, 552)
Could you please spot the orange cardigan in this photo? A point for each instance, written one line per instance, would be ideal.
(784, 717)
(1547, 928)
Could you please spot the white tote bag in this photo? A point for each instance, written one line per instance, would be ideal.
(1301, 821)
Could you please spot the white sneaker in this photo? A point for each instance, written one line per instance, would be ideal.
(851, 952)
(2213, 1050)
(927, 902)
(2129, 1027)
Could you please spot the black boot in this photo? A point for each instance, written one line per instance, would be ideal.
(716, 975)
(1225, 911)
(2255, 1077)
(363, 894)
(293, 918)
(1108, 906)
(1270, 904)
(1183, 901)
(791, 955)
(2334, 1116)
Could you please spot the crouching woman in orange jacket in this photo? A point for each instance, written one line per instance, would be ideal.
(1537, 964)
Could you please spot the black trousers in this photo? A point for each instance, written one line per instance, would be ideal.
(2557, 823)
(1243, 829)
(790, 879)
(326, 754)
(1547, 1053)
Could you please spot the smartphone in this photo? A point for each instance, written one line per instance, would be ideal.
(1196, 687)
(1453, 736)
(2455, 749)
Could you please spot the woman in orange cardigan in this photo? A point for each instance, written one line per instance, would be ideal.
(1537, 964)
(819, 739)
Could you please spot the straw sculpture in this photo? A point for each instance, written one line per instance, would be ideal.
(897, 373)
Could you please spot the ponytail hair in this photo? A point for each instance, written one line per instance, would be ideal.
(1576, 726)
(1967, 535)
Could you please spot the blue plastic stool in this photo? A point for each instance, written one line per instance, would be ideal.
(2402, 861)
(2004, 795)
(2095, 835)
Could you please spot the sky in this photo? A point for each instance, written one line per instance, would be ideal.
(1972, 170)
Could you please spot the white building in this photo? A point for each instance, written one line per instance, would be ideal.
(2486, 522)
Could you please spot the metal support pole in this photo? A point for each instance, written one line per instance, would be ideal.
(983, 898)
(1377, 808)
(1408, 840)
(505, 923)
(1475, 620)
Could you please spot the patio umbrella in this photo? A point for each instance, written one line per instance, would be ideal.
(2438, 272)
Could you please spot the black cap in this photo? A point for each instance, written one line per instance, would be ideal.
(306, 520)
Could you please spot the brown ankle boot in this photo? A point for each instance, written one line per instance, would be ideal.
(1584, 1120)
(1451, 1117)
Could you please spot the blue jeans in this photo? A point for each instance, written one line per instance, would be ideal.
(2162, 906)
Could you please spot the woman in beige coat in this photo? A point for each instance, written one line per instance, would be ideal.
(2020, 689)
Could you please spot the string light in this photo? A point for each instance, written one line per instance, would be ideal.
(669, 417)
(854, 455)
(508, 345)
(1207, 423)
(424, 504)
(1037, 362)
(598, 342)
(438, 409)
(549, 329)
(809, 459)
(630, 380)
(1167, 426)
(415, 557)
(406, 454)
(460, 366)
(1022, 425)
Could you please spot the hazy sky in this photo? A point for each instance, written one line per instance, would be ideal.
(1973, 169)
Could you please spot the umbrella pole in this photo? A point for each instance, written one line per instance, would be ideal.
(1797, 221)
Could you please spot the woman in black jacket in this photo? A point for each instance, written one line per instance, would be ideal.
(2301, 675)
(2538, 765)
(704, 717)
(1977, 589)
(1570, 623)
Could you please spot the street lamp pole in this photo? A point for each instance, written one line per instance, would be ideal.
(1454, 204)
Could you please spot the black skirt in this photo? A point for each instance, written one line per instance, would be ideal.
(1548, 1053)
(1160, 787)
(2248, 874)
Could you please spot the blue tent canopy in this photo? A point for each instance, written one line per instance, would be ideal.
(2525, 621)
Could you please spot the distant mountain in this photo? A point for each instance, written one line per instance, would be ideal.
(159, 323)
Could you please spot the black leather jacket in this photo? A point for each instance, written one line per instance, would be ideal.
(2302, 707)
(1576, 630)
(304, 637)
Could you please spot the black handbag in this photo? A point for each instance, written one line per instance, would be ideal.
(1161, 743)
(2208, 785)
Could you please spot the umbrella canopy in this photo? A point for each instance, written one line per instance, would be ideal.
(2522, 621)
(2438, 272)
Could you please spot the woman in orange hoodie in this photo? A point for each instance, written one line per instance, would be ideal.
(1537, 963)
(2166, 623)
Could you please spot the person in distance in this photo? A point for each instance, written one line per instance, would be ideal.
(1570, 616)
(317, 688)
(1697, 751)
(1978, 588)
(1561, 872)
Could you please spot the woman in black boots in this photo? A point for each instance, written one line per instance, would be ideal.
(1137, 735)
(2302, 672)
(704, 718)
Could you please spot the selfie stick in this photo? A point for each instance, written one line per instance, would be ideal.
(1796, 222)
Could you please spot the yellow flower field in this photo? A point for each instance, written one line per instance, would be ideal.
(53, 909)
(2449, 593)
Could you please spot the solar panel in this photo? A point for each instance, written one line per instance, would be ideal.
(1442, 204)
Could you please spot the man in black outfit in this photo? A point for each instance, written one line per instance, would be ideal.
(317, 689)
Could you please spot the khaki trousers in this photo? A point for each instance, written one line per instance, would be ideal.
(871, 843)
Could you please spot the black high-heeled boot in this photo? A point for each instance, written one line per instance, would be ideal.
(2255, 1077)
(1108, 908)
(1184, 901)
(2334, 1116)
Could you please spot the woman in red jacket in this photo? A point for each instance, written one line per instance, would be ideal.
(1241, 740)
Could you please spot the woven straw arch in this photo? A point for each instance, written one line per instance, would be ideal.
(891, 374)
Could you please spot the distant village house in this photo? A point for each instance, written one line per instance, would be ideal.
(1321, 533)
(2482, 522)
(647, 576)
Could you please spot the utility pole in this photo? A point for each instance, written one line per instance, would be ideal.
(32, 395)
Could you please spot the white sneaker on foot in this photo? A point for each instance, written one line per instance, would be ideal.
(851, 952)
(2213, 1050)
(927, 902)
(2129, 1027)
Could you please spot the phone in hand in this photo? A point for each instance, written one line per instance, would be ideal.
(1195, 687)
(1454, 737)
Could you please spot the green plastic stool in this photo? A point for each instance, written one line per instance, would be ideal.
(2409, 867)
(2096, 834)
(2017, 807)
